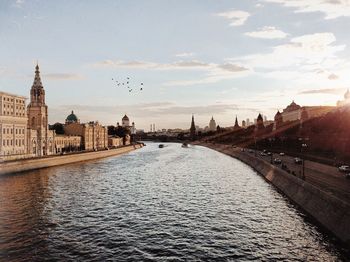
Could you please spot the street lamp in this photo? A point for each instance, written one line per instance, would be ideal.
(303, 147)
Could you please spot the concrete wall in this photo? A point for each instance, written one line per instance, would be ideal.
(36, 163)
(332, 213)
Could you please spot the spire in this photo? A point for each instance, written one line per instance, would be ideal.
(192, 129)
(236, 126)
(37, 80)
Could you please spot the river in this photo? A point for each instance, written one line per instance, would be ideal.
(154, 204)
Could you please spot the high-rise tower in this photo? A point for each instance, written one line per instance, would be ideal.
(38, 114)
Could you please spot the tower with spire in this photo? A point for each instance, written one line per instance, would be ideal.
(37, 112)
(236, 126)
(192, 129)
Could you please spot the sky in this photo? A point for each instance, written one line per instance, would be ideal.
(208, 58)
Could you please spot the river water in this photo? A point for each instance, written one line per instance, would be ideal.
(169, 204)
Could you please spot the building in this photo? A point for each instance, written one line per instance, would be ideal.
(13, 125)
(93, 135)
(260, 122)
(64, 143)
(193, 129)
(346, 100)
(40, 143)
(236, 126)
(212, 124)
(278, 120)
(125, 121)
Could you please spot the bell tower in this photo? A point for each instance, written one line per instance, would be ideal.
(38, 115)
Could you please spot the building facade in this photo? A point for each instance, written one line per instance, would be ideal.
(13, 125)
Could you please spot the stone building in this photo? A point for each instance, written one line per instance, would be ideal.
(37, 112)
(293, 112)
(64, 143)
(212, 124)
(13, 126)
(93, 135)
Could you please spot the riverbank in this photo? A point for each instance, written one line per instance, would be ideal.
(56, 160)
(331, 212)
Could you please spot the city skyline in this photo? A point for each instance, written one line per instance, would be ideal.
(220, 59)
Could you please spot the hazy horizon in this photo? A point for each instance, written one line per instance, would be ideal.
(218, 59)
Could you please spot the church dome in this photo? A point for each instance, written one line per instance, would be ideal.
(72, 118)
(125, 118)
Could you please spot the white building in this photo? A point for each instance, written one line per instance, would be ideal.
(13, 125)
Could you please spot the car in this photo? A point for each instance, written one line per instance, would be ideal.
(269, 153)
(263, 154)
(251, 151)
(298, 161)
(264, 151)
(234, 146)
(281, 154)
(347, 175)
(277, 161)
(344, 168)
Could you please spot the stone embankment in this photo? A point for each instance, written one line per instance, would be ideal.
(36, 163)
(331, 212)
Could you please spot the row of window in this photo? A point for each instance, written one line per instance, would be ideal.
(9, 142)
(11, 100)
(18, 131)
(11, 113)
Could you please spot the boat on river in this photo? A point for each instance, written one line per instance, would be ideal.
(160, 145)
(185, 145)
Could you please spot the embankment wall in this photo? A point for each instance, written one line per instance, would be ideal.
(36, 163)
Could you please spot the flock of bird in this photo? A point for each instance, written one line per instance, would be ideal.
(127, 84)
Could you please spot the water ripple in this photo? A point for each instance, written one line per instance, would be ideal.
(169, 204)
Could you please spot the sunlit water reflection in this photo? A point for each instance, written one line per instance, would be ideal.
(170, 204)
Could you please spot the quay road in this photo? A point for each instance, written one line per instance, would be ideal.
(327, 178)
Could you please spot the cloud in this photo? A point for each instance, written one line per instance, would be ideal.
(322, 91)
(63, 76)
(190, 64)
(307, 52)
(213, 72)
(333, 77)
(236, 17)
(19, 3)
(331, 8)
(267, 32)
(185, 54)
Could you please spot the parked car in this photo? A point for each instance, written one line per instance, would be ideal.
(281, 154)
(269, 153)
(344, 168)
(277, 161)
(298, 161)
(234, 146)
(263, 154)
(251, 151)
(265, 151)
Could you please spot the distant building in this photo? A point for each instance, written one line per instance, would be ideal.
(212, 124)
(259, 122)
(192, 129)
(125, 121)
(244, 124)
(278, 120)
(293, 111)
(346, 100)
(236, 126)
